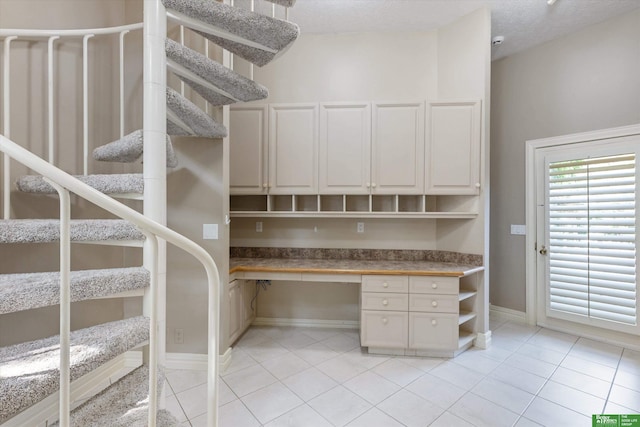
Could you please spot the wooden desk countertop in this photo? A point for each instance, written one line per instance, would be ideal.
(354, 267)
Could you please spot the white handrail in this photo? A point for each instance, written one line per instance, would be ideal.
(51, 36)
(65, 303)
(85, 103)
(68, 182)
(6, 87)
(26, 33)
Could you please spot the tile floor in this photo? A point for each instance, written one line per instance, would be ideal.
(305, 377)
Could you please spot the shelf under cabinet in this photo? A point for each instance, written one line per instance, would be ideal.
(328, 214)
(463, 295)
(465, 338)
(352, 206)
(465, 317)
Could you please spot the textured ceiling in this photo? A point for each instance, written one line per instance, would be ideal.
(523, 23)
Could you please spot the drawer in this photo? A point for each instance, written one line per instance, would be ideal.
(433, 285)
(386, 329)
(385, 284)
(385, 301)
(433, 331)
(434, 303)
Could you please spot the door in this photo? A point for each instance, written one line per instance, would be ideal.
(453, 148)
(293, 147)
(397, 151)
(587, 239)
(345, 148)
(248, 150)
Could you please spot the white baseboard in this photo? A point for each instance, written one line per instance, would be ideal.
(307, 323)
(187, 361)
(507, 314)
(196, 361)
(47, 409)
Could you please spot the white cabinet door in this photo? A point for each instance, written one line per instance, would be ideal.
(453, 148)
(293, 147)
(397, 160)
(235, 310)
(433, 331)
(383, 329)
(248, 152)
(345, 148)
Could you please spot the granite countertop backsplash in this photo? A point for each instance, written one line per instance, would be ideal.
(359, 255)
(353, 261)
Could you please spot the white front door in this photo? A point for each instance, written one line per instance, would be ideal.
(586, 239)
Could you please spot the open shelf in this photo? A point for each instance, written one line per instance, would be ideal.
(465, 317)
(355, 206)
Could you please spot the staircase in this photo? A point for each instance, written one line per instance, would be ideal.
(34, 375)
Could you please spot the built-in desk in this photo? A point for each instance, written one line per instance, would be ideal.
(420, 308)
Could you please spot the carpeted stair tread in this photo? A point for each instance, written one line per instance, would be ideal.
(26, 291)
(129, 148)
(273, 33)
(82, 230)
(127, 183)
(197, 121)
(239, 87)
(285, 3)
(30, 371)
(122, 404)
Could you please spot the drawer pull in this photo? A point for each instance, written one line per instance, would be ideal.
(434, 322)
(434, 303)
(434, 285)
(385, 320)
(385, 285)
(385, 302)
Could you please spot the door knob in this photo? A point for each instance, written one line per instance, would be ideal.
(543, 250)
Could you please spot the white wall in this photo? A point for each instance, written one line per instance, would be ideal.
(464, 73)
(452, 62)
(585, 81)
(29, 129)
(355, 67)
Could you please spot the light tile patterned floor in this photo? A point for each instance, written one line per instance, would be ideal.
(305, 377)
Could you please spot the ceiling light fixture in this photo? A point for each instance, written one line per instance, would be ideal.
(551, 2)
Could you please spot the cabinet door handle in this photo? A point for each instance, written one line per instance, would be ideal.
(385, 320)
(385, 302)
(434, 322)
(373, 185)
(385, 285)
(434, 303)
(368, 184)
(264, 185)
(477, 185)
(434, 285)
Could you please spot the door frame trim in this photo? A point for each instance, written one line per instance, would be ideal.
(530, 200)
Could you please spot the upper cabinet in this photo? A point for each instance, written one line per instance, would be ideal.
(365, 150)
(293, 148)
(353, 158)
(345, 148)
(453, 148)
(397, 161)
(248, 157)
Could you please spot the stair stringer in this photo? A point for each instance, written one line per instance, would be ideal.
(46, 411)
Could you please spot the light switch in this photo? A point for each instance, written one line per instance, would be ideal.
(518, 229)
(210, 231)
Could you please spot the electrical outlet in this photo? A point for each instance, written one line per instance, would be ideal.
(178, 336)
(259, 227)
(360, 227)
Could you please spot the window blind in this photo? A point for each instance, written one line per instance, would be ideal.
(592, 238)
